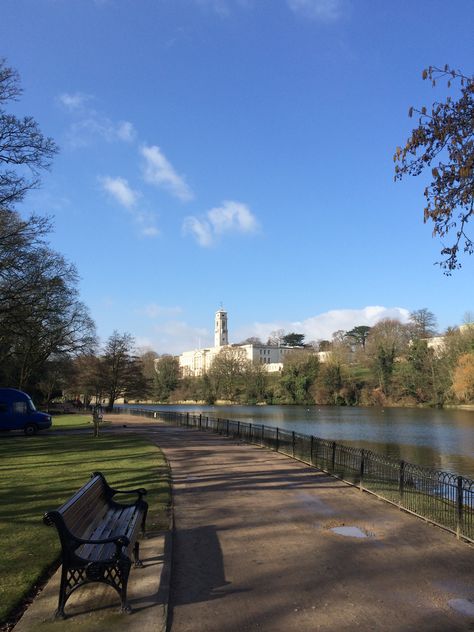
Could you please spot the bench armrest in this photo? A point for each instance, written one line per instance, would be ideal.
(140, 492)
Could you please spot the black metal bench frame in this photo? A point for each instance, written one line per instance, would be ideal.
(86, 558)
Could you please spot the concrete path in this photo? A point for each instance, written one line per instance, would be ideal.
(254, 549)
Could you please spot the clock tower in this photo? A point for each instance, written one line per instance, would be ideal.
(220, 330)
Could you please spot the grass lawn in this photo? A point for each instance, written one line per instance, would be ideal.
(73, 422)
(40, 473)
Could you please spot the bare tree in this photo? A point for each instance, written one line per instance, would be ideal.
(227, 370)
(423, 323)
(24, 150)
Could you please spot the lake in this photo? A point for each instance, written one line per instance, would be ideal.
(442, 439)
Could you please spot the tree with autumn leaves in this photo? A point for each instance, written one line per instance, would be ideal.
(444, 141)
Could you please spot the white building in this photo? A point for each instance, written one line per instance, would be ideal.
(198, 361)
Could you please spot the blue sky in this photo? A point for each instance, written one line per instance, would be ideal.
(238, 151)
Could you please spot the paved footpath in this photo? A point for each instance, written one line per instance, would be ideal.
(254, 549)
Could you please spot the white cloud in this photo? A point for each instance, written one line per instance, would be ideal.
(200, 229)
(161, 173)
(126, 132)
(177, 336)
(323, 10)
(146, 222)
(74, 101)
(91, 124)
(85, 131)
(232, 216)
(322, 326)
(150, 231)
(120, 191)
(228, 218)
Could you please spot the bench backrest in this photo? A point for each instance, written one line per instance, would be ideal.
(84, 509)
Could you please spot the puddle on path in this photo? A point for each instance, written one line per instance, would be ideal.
(350, 532)
(463, 606)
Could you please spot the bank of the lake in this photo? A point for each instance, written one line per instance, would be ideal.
(438, 438)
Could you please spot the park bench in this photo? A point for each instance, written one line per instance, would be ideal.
(97, 536)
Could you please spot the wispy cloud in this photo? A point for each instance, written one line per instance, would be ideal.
(230, 217)
(122, 193)
(74, 102)
(200, 229)
(318, 10)
(87, 130)
(176, 336)
(153, 311)
(221, 7)
(90, 124)
(322, 326)
(322, 10)
(158, 171)
(125, 131)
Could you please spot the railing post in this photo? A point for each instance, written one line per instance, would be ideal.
(227, 428)
(207, 423)
(401, 482)
(200, 421)
(218, 423)
(187, 419)
(333, 456)
(362, 467)
(459, 506)
(293, 441)
(238, 429)
(277, 442)
(311, 449)
(263, 433)
(250, 432)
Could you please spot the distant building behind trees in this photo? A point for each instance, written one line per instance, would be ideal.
(271, 355)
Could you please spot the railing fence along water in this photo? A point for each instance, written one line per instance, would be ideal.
(443, 498)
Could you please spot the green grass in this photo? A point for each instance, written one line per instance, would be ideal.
(73, 422)
(40, 473)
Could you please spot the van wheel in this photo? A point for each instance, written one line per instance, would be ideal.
(30, 430)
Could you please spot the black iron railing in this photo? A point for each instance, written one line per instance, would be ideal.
(442, 498)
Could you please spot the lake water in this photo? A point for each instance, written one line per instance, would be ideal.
(442, 439)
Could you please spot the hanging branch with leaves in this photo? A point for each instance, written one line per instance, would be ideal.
(444, 141)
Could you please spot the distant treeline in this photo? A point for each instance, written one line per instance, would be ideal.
(389, 364)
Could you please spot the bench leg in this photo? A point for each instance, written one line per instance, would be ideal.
(145, 513)
(124, 567)
(136, 555)
(60, 614)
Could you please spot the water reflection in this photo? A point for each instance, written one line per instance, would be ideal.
(443, 439)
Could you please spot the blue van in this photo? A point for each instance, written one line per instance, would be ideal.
(17, 412)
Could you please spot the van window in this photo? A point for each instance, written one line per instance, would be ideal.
(3, 407)
(31, 405)
(20, 408)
